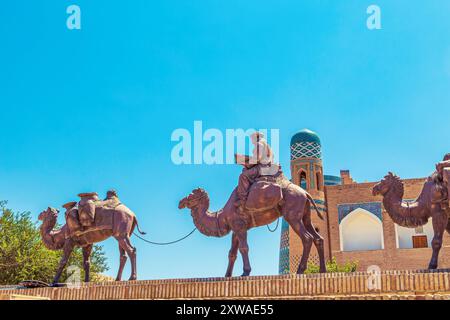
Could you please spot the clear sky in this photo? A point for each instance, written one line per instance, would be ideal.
(94, 109)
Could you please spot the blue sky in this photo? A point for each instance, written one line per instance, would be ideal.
(94, 109)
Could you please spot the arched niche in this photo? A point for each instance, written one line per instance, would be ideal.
(303, 179)
(361, 230)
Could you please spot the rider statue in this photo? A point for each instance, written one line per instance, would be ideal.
(259, 164)
(443, 168)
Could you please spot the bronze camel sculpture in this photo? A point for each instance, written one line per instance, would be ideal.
(417, 213)
(118, 223)
(294, 207)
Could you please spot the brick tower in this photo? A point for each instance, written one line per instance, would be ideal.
(307, 172)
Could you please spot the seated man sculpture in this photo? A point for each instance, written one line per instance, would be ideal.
(443, 169)
(259, 164)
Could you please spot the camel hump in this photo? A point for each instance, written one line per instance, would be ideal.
(124, 209)
(112, 203)
(264, 195)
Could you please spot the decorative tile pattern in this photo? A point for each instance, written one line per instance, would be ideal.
(283, 266)
(321, 205)
(306, 150)
(284, 260)
(372, 207)
(332, 180)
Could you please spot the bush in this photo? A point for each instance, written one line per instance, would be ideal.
(333, 266)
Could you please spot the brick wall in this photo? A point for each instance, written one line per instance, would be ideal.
(283, 287)
(390, 258)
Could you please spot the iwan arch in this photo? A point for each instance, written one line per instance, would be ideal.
(361, 230)
(357, 227)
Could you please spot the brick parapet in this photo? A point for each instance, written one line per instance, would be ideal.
(337, 285)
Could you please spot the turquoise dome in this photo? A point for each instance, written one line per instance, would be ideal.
(306, 144)
(305, 135)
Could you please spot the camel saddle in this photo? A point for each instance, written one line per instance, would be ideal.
(110, 203)
(263, 195)
(265, 192)
(86, 208)
(80, 216)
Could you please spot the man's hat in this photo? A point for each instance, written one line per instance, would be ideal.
(69, 205)
(111, 193)
(88, 195)
(257, 135)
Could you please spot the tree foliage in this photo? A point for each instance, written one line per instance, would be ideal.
(333, 266)
(23, 256)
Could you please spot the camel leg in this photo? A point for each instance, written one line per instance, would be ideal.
(87, 251)
(243, 249)
(123, 261)
(133, 259)
(125, 243)
(232, 255)
(317, 239)
(448, 225)
(67, 251)
(440, 221)
(307, 241)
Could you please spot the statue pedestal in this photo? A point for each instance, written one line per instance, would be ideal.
(403, 284)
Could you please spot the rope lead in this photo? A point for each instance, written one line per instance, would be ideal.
(276, 227)
(188, 235)
(165, 243)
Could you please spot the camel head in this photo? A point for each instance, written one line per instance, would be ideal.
(193, 200)
(391, 182)
(49, 216)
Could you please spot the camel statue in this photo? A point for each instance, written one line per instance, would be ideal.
(293, 204)
(417, 213)
(118, 223)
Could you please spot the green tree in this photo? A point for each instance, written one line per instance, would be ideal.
(333, 266)
(23, 256)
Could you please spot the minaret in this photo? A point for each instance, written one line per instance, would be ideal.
(307, 172)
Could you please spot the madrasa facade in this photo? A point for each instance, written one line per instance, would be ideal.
(356, 227)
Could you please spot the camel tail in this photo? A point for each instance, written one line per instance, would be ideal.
(314, 205)
(136, 224)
